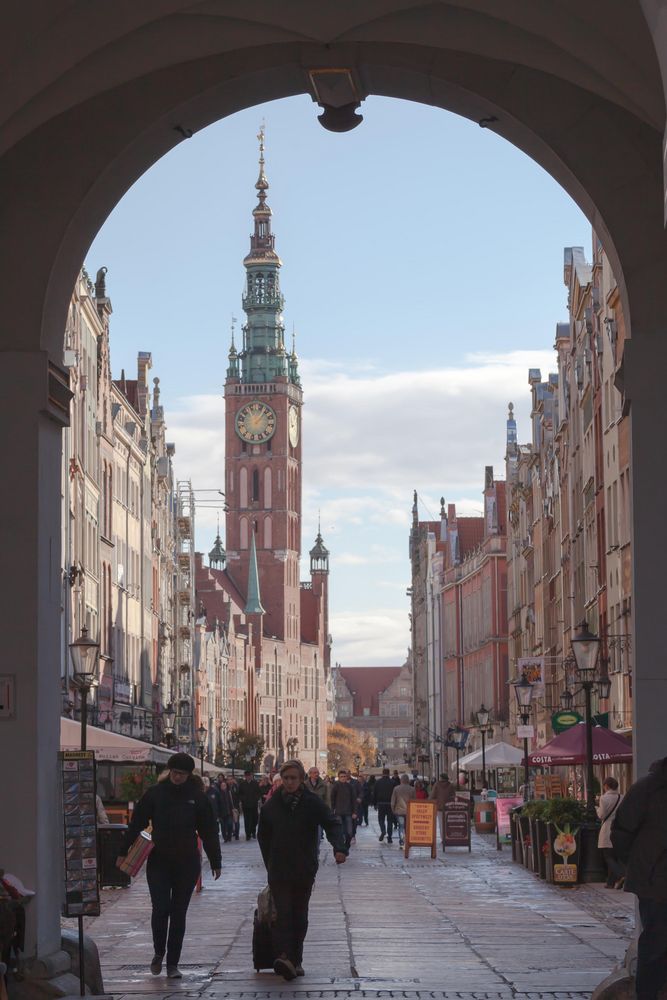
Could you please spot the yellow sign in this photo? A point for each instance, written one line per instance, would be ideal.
(420, 825)
(565, 873)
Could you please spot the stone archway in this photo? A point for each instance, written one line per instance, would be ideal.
(96, 100)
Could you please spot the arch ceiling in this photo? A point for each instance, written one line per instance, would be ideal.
(92, 94)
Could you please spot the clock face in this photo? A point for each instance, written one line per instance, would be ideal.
(293, 424)
(255, 422)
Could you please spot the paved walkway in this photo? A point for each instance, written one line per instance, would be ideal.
(465, 925)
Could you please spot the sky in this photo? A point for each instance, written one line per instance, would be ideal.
(423, 277)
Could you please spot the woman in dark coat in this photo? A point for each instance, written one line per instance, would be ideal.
(178, 811)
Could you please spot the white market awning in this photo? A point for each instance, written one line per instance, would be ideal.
(496, 755)
(112, 747)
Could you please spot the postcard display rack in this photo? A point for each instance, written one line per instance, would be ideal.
(82, 895)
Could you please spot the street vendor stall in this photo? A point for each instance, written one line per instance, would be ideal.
(502, 758)
(569, 748)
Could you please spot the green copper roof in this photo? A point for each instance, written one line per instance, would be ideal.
(253, 605)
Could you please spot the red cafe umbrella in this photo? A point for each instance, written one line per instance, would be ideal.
(570, 748)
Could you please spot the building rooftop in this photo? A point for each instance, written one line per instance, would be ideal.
(366, 684)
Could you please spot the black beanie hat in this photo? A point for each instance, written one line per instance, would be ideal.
(181, 762)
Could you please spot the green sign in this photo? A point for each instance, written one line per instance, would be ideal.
(560, 721)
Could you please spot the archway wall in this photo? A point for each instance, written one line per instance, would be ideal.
(99, 101)
(74, 169)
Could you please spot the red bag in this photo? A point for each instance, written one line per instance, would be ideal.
(137, 854)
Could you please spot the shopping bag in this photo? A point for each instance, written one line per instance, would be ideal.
(136, 856)
(266, 908)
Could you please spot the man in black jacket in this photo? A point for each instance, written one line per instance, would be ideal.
(639, 838)
(249, 796)
(178, 812)
(382, 792)
(289, 841)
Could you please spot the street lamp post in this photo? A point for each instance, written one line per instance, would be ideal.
(586, 650)
(483, 724)
(232, 746)
(523, 690)
(168, 719)
(84, 653)
(201, 734)
(252, 753)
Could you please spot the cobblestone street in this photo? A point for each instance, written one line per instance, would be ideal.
(465, 925)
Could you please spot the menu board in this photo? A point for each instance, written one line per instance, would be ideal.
(456, 824)
(420, 825)
(82, 895)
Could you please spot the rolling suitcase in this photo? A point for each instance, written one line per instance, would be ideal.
(262, 946)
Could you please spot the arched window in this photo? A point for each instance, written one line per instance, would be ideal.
(267, 489)
(244, 532)
(243, 488)
(255, 485)
(268, 533)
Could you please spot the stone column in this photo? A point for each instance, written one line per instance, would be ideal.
(34, 406)
(645, 364)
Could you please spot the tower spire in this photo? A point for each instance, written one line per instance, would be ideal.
(262, 184)
(254, 602)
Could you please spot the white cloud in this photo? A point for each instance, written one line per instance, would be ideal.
(374, 637)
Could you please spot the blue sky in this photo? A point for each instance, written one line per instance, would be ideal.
(422, 272)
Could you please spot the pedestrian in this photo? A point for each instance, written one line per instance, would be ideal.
(395, 778)
(443, 791)
(289, 841)
(609, 802)
(355, 784)
(264, 788)
(382, 793)
(420, 790)
(365, 800)
(639, 836)
(178, 812)
(233, 786)
(226, 810)
(343, 804)
(212, 793)
(275, 785)
(401, 795)
(318, 787)
(249, 797)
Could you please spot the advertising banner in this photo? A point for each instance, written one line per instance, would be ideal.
(532, 668)
(420, 826)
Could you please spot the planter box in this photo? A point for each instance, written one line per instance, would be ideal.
(525, 842)
(542, 839)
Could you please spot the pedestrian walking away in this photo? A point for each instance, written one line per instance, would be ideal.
(443, 792)
(365, 800)
(609, 802)
(250, 795)
(226, 811)
(639, 836)
(289, 842)
(344, 804)
(178, 812)
(382, 793)
(401, 795)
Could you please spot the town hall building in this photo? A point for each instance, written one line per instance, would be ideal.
(276, 626)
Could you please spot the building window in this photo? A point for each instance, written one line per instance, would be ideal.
(244, 533)
(243, 487)
(267, 489)
(268, 533)
(255, 485)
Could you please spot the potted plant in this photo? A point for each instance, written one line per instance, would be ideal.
(134, 783)
(564, 818)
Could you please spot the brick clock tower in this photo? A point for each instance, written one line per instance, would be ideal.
(263, 401)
